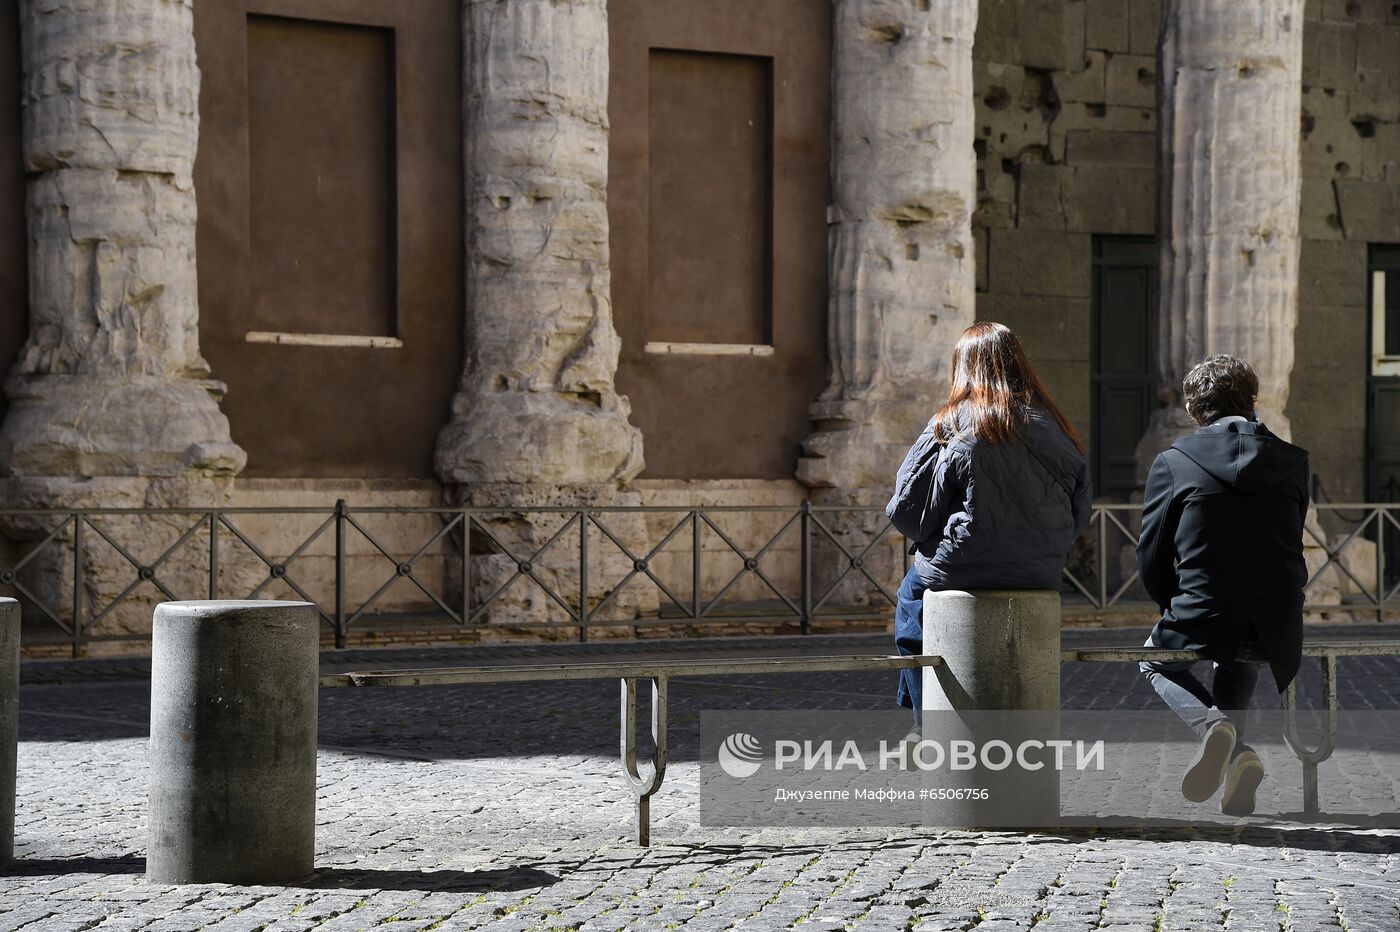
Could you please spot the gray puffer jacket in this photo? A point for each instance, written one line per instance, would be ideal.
(992, 516)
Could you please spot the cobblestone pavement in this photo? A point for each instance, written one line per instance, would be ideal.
(503, 807)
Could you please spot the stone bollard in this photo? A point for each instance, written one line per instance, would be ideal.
(999, 681)
(233, 742)
(9, 724)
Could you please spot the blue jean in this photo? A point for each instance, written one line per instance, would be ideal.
(1200, 708)
(909, 638)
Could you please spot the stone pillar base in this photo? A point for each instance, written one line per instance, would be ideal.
(538, 438)
(89, 425)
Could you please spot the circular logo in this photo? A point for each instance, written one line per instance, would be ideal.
(740, 755)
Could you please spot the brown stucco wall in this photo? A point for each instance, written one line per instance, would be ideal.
(721, 417)
(315, 411)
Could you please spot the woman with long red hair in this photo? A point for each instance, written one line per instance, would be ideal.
(994, 491)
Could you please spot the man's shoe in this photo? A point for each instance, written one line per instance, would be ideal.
(1242, 779)
(907, 747)
(1207, 771)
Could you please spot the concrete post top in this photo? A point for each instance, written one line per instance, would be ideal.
(932, 597)
(6, 602)
(234, 608)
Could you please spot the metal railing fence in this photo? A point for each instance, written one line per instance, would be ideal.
(798, 565)
(1340, 575)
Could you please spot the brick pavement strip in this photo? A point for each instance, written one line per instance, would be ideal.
(503, 807)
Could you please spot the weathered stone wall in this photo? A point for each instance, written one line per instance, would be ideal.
(1351, 197)
(1066, 123)
(1066, 91)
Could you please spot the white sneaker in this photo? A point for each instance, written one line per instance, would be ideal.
(1242, 779)
(907, 747)
(1207, 771)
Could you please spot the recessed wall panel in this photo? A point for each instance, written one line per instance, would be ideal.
(718, 186)
(330, 251)
(709, 204)
(321, 172)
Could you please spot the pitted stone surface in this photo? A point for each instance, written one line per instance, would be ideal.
(902, 267)
(1229, 198)
(537, 402)
(111, 381)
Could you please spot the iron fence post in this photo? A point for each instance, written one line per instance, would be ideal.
(1380, 563)
(213, 555)
(806, 565)
(340, 510)
(466, 567)
(78, 584)
(583, 575)
(1103, 559)
(695, 564)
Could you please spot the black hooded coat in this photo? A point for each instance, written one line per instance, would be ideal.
(1221, 550)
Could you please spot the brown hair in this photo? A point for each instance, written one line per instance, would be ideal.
(1219, 386)
(994, 383)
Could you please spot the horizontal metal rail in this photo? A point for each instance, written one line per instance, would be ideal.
(636, 669)
(643, 783)
(1348, 648)
(798, 565)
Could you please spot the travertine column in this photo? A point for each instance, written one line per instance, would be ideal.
(537, 402)
(111, 403)
(537, 419)
(901, 248)
(1230, 96)
(111, 382)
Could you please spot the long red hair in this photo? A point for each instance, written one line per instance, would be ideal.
(994, 384)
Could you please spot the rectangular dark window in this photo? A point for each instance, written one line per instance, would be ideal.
(321, 177)
(1121, 376)
(710, 205)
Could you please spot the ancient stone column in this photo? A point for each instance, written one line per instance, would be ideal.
(537, 419)
(1230, 99)
(537, 402)
(111, 381)
(111, 403)
(901, 248)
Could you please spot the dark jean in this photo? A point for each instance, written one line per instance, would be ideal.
(1231, 691)
(909, 638)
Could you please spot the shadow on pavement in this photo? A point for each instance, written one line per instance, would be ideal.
(441, 881)
(330, 878)
(56, 867)
(1259, 836)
